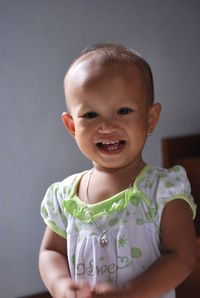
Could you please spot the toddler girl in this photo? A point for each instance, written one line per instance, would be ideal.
(123, 228)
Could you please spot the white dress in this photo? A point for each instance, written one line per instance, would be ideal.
(131, 218)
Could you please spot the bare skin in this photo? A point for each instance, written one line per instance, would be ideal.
(54, 268)
(109, 119)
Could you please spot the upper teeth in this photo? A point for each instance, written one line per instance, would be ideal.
(110, 143)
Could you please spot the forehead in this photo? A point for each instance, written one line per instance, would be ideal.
(93, 70)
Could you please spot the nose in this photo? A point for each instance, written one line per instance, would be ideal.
(108, 126)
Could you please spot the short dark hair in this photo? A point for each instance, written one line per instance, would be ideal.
(115, 52)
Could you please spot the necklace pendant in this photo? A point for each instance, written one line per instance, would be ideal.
(104, 240)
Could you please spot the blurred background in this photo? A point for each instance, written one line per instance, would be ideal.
(38, 40)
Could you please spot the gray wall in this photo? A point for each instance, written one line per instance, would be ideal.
(38, 40)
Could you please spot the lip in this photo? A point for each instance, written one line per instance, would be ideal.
(111, 147)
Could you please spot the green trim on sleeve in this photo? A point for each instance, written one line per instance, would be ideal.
(56, 229)
(76, 182)
(144, 198)
(141, 175)
(187, 200)
(137, 181)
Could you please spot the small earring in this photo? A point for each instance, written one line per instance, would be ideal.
(149, 134)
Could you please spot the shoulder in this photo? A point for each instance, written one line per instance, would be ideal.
(70, 184)
(174, 181)
(158, 179)
(59, 191)
(65, 187)
(161, 186)
(52, 208)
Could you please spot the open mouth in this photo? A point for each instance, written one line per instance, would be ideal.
(111, 146)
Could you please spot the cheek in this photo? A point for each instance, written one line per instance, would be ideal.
(82, 143)
(83, 136)
(137, 123)
(80, 128)
(138, 131)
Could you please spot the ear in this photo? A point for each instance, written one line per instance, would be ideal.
(154, 113)
(69, 123)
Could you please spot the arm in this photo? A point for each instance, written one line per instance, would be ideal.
(179, 254)
(177, 261)
(54, 268)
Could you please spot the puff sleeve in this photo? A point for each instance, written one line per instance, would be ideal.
(52, 210)
(173, 184)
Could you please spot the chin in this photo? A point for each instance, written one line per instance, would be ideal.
(110, 165)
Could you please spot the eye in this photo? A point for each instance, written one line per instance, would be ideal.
(90, 115)
(124, 111)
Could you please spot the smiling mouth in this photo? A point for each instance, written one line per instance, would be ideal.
(111, 146)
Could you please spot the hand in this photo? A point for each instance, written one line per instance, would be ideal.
(109, 291)
(67, 288)
(83, 290)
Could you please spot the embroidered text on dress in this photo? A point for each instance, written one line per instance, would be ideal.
(90, 269)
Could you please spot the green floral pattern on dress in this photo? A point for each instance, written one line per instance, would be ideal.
(135, 201)
(121, 241)
(113, 221)
(149, 184)
(130, 218)
(44, 212)
(140, 221)
(168, 184)
(136, 252)
(73, 260)
(176, 169)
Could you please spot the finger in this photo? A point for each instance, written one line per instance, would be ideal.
(72, 294)
(84, 293)
(82, 283)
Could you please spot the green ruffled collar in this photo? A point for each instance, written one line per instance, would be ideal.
(76, 207)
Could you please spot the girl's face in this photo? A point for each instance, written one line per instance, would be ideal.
(110, 114)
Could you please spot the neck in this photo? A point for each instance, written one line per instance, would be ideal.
(112, 182)
(127, 173)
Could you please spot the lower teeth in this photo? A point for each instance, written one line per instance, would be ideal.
(110, 147)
